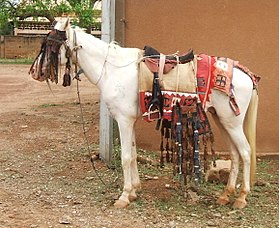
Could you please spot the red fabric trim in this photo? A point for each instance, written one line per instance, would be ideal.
(205, 80)
(170, 98)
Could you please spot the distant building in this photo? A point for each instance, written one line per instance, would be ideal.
(33, 26)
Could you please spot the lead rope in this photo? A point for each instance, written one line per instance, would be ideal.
(86, 138)
(82, 118)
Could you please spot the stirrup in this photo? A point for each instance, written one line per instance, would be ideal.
(152, 113)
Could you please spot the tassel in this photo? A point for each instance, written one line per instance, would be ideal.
(168, 153)
(66, 80)
(67, 77)
(162, 152)
(167, 135)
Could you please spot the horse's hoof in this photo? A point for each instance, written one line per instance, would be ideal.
(223, 200)
(239, 204)
(121, 204)
(132, 198)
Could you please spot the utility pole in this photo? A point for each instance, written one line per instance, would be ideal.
(106, 121)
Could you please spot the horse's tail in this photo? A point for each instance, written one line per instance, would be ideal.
(250, 131)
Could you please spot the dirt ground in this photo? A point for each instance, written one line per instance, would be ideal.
(47, 180)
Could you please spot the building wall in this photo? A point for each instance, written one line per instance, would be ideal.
(19, 46)
(242, 30)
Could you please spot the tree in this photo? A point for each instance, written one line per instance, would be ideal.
(12, 11)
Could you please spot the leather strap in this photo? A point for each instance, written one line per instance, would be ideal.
(161, 69)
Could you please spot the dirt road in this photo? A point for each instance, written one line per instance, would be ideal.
(46, 179)
(41, 157)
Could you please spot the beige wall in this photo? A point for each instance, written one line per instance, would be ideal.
(20, 46)
(242, 30)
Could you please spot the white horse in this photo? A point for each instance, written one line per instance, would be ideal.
(114, 70)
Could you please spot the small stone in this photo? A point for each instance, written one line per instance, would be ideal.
(218, 215)
(65, 220)
(211, 223)
(231, 212)
(261, 183)
(192, 196)
(224, 175)
(172, 224)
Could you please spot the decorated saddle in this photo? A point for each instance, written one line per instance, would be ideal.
(174, 90)
(182, 78)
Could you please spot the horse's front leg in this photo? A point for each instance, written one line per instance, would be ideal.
(129, 163)
(134, 169)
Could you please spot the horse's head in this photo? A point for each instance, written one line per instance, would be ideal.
(54, 51)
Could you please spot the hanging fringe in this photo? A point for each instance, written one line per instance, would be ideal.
(184, 138)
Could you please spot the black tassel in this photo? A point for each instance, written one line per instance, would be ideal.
(66, 80)
(162, 154)
(67, 76)
(168, 153)
(167, 134)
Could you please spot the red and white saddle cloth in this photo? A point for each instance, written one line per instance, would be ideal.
(189, 81)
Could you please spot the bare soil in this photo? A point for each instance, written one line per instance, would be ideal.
(47, 179)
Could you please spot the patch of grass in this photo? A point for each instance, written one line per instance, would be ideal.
(49, 105)
(163, 205)
(261, 211)
(140, 204)
(171, 205)
(17, 61)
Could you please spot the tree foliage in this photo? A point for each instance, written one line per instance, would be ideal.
(12, 11)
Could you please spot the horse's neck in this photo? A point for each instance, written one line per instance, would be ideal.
(91, 54)
(100, 61)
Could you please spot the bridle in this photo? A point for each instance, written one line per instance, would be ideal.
(62, 40)
(74, 52)
(50, 49)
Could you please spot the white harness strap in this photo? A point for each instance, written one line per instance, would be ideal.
(178, 75)
(161, 68)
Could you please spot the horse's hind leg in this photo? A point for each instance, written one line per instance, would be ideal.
(230, 188)
(242, 146)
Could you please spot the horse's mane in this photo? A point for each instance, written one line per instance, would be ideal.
(77, 28)
(114, 44)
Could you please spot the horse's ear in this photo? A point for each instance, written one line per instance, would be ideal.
(67, 23)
